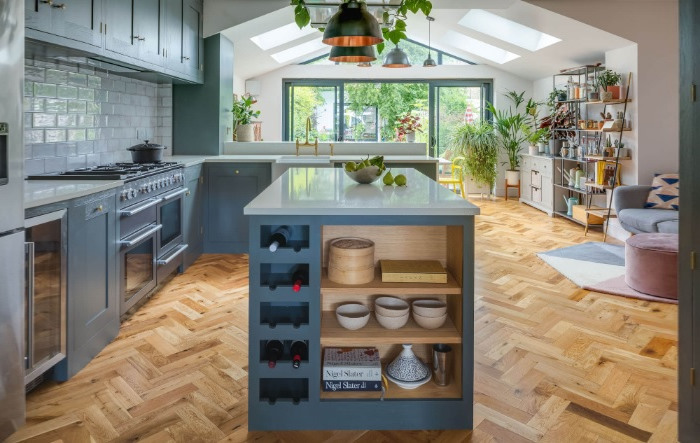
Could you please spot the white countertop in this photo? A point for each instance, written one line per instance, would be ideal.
(44, 192)
(191, 160)
(324, 148)
(328, 191)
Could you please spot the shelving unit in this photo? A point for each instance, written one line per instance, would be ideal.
(584, 75)
(286, 398)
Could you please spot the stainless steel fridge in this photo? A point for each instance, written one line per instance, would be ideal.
(12, 406)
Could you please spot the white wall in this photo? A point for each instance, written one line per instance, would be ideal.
(270, 99)
(653, 25)
(238, 85)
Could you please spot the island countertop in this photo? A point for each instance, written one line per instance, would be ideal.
(328, 191)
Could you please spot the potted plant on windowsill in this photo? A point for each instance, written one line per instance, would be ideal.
(407, 126)
(508, 127)
(476, 143)
(243, 115)
(609, 83)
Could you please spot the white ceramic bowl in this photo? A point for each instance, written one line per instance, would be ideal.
(429, 322)
(366, 175)
(391, 307)
(430, 308)
(391, 322)
(352, 315)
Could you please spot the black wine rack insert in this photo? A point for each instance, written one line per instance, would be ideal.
(298, 241)
(295, 314)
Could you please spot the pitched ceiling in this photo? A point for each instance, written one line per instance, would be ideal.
(580, 43)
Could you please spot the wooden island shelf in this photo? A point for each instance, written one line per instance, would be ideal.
(421, 222)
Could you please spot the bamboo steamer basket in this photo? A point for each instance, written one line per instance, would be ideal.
(351, 261)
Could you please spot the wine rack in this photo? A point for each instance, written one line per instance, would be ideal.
(284, 398)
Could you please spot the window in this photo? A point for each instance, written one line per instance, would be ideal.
(352, 110)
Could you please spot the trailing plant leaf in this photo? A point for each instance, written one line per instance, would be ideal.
(477, 144)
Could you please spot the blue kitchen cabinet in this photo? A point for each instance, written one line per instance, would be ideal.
(92, 305)
(231, 186)
(146, 23)
(193, 226)
(192, 38)
(120, 37)
(76, 20)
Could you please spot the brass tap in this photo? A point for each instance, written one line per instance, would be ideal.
(308, 130)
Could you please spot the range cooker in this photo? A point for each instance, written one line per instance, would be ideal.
(150, 210)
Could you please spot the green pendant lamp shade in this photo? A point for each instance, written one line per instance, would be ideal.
(396, 58)
(429, 62)
(352, 25)
(352, 54)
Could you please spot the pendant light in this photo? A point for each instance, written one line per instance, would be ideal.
(352, 54)
(429, 62)
(396, 58)
(352, 25)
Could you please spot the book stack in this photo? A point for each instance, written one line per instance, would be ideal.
(351, 369)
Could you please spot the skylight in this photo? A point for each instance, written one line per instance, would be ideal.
(281, 35)
(477, 47)
(299, 51)
(507, 30)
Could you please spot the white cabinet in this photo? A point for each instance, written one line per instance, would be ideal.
(536, 182)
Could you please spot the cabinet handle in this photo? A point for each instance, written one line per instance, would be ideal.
(136, 37)
(164, 261)
(187, 194)
(99, 208)
(63, 6)
(48, 2)
(142, 39)
(185, 58)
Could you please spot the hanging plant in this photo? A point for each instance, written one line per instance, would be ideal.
(302, 17)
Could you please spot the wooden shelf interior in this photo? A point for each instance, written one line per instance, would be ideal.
(600, 157)
(428, 391)
(376, 286)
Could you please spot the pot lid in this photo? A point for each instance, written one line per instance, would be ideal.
(145, 146)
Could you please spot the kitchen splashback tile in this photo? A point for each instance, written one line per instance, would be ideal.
(77, 116)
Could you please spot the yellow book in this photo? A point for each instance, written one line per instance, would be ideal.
(412, 271)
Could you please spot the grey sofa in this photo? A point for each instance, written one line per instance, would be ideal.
(629, 201)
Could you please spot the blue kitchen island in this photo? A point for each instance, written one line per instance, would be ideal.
(421, 221)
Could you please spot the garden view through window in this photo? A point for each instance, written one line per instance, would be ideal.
(389, 111)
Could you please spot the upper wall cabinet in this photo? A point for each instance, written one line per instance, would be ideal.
(157, 35)
(78, 20)
(118, 28)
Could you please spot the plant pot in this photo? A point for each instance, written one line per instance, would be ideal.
(561, 97)
(532, 150)
(551, 148)
(593, 96)
(615, 90)
(605, 96)
(512, 177)
(410, 137)
(541, 147)
(245, 133)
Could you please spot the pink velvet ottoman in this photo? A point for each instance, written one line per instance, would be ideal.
(651, 264)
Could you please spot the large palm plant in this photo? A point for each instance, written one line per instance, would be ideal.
(476, 143)
(508, 126)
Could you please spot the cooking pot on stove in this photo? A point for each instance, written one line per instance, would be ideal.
(146, 152)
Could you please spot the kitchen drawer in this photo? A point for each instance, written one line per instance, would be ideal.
(98, 207)
(536, 178)
(543, 165)
(536, 194)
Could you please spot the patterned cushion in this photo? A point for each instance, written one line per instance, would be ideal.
(664, 192)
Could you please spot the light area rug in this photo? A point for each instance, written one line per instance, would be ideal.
(596, 266)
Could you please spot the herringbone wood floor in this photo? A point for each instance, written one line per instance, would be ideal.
(553, 362)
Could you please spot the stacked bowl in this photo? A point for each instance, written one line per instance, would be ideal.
(391, 312)
(429, 314)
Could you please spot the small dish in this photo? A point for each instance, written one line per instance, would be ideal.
(429, 322)
(430, 308)
(391, 307)
(391, 322)
(352, 316)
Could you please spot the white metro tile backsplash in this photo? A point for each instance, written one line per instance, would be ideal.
(76, 116)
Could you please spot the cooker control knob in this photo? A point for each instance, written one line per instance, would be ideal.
(132, 193)
(123, 195)
(144, 188)
(171, 180)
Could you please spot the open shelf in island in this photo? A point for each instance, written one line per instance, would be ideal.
(332, 334)
(429, 391)
(376, 286)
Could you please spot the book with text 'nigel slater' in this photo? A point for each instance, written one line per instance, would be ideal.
(351, 364)
(351, 385)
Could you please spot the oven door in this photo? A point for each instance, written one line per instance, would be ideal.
(170, 216)
(138, 265)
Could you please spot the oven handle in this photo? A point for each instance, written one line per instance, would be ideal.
(174, 194)
(179, 250)
(136, 210)
(133, 241)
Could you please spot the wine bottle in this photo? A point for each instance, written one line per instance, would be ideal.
(273, 351)
(299, 277)
(297, 350)
(280, 237)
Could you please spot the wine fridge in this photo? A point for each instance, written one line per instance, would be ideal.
(45, 293)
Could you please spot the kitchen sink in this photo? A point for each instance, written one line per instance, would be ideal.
(305, 160)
